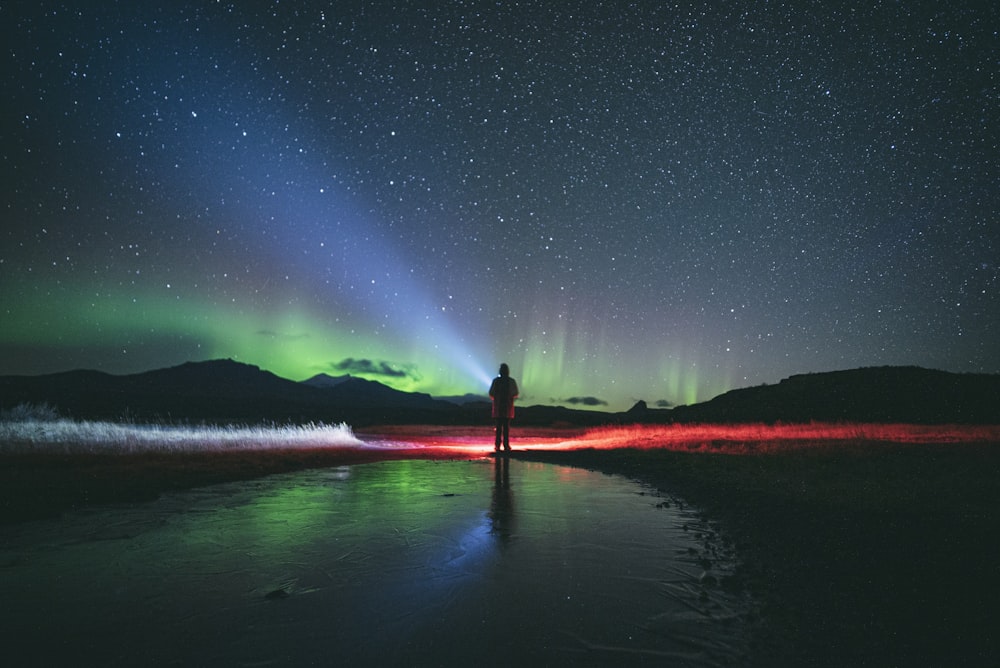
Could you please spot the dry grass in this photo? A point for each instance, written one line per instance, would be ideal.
(870, 544)
(69, 437)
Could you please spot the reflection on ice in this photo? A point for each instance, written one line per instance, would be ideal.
(428, 563)
(502, 516)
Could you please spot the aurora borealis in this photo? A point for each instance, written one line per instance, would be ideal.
(622, 200)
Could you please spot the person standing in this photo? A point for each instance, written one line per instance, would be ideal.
(503, 391)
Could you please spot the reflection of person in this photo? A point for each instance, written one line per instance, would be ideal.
(502, 504)
(503, 391)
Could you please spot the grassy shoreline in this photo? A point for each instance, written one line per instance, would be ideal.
(863, 553)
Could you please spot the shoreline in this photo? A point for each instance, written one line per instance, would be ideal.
(861, 554)
(880, 556)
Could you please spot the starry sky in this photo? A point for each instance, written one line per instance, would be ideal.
(622, 200)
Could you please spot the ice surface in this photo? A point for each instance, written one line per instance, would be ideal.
(398, 563)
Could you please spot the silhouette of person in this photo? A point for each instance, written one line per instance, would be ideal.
(503, 391)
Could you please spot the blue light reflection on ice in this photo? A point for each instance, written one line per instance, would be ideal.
(429, 563)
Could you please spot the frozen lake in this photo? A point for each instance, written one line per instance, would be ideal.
(415, 563)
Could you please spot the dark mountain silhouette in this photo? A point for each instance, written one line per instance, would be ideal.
(872, 394)
(221, 391)
(325, 380)
(195, 391)
(370, 392)
(468, 398)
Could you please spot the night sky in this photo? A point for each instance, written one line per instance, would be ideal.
(622, 200)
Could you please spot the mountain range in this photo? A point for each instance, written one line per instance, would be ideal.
(225, 391)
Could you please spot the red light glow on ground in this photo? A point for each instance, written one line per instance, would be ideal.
(724, 439)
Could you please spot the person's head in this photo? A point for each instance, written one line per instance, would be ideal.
(504, 369)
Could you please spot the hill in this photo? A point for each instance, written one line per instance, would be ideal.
(872, 394)
(217, 391)
(221, 391)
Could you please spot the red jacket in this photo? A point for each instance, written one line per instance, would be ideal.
(503, 391)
